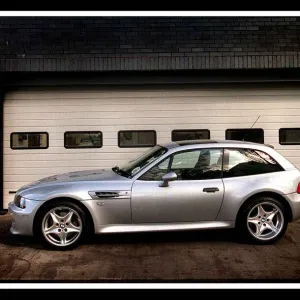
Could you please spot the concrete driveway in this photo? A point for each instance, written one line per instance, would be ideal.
(209, 255)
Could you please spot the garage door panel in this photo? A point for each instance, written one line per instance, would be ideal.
(110, 138)
(56, 137)
(85, 93)
(9, 197)
(38, 116)
(111, 110)
(293, 159)
(40, 171)
(176, 125)
(67, 156)
(137, 121)
(114, 100)
(289, 152)
(183, 105)
(62, 95)
(28, 177)
(153, 121)
(60, 143)
(12, 186)
(62, 150)
(62, 163)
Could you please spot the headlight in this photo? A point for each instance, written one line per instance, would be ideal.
(20, 201)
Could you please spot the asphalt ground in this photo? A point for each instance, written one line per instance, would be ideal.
(212, 255)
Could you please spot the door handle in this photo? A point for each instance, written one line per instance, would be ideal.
(210, 190)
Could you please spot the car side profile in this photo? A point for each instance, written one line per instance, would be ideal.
(184, 185)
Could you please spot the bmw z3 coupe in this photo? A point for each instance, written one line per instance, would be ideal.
(185, 185)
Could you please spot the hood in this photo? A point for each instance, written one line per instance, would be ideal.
(86, 175)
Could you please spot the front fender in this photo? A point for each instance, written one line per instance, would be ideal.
(48, 192)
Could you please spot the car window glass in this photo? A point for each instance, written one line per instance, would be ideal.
(199, 164)
(185, 160)
(143, 160)
(242, 162)
(157, 172)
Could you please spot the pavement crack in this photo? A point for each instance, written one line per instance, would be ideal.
(3, 275)
(29, 265)
(255, 248)
(28, 262)
(192, 258)
(282, 250)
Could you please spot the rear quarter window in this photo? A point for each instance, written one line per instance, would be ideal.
(245, 162)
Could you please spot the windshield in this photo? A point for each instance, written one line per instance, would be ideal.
(134, 166)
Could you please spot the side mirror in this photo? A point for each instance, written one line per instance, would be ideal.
(171, 176)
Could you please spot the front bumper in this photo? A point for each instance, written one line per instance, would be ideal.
(22, 223)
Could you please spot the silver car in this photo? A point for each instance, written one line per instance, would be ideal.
(186, 185)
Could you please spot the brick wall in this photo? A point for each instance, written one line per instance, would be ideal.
(98, 44)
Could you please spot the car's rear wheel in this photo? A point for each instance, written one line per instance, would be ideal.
(61, 224)
(262, 221)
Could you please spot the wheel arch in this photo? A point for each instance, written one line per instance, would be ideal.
(91, 224)
(274, 195)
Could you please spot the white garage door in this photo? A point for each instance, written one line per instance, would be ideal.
(56, 111)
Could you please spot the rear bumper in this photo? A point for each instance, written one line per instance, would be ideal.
(294, 201)
(22, 223)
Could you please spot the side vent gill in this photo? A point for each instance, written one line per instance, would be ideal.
(110, 194)
(106, 194)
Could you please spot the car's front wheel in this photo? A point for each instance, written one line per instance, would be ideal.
(262, 221)
(61, 224)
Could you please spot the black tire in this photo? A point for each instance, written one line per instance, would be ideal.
(38, 224)
(243, 230)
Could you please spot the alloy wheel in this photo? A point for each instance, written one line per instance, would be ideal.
(265, 221)
(62, 226)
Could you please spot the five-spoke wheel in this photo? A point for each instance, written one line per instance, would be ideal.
(265, 220)
(61, 224)
(262, 220)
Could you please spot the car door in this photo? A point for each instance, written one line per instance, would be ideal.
(196, 195)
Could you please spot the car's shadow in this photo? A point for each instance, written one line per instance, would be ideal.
(166, 237)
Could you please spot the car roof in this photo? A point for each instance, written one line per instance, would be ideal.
(209, 141)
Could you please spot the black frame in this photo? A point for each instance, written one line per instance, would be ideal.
(241, 129)
(188, 130)
(2, 93)
(86, 131)
(133, 146)
(29, 132)
(281, 132)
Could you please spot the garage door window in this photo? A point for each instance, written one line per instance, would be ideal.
(289, 136)
(29, 140)
(136, 138)
(190, 134)
(83, 139)
(255, 135)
